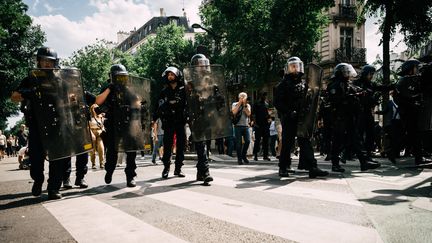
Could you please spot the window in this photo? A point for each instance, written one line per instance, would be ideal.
(346, 2)
(346, 41)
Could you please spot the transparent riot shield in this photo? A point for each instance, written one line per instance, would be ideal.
(207, 104)
(131, 114)
(61, 112)
(307, 119)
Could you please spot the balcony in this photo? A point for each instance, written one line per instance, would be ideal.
(346, 13)
(350, 55)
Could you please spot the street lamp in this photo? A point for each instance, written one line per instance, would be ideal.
(217, 38)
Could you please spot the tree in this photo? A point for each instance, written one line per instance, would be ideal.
(94, 61)
(412, 17)
(167, 48)
(259, 35)
(19, 40)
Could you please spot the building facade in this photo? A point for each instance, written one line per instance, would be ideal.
(343, 40)
(129, 42)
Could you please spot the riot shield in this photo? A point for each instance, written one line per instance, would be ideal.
(207, 104)
(61, 112)
(307, 118)
(131, 115)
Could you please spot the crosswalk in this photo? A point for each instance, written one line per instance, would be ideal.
(244, 204)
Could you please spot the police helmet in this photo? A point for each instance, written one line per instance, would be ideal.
(119, 74)
(344, 70)
(367, 69)
(200, 60)
(174, 70)
(294, 64)
(407, 66)
(47, 53)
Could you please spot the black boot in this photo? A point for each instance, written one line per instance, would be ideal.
(54, 195)
(81, 182)
(165, 171)
(108, 177)
(338, 168)
(206, 177)
(37, 188)
(317, 172)
(366, 165)
(255, 157)
(178, 172)
(67, 184)
(130, 182)
(283, 172)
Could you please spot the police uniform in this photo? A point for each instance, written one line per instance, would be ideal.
(344, 107)
(289, 96)
(172, 112)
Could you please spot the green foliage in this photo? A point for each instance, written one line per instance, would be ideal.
(259, 35)
(413, 17)
(19, 40)
(167, 48)
(94, 61)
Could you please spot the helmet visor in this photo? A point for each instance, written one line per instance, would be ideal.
(294, 67)
(203, 62)
(120, 79)
(349, 72)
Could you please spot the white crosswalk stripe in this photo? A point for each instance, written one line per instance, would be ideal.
(97, 219)
(89, 220)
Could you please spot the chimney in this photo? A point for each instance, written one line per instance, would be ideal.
(161, 12)
(121, 36)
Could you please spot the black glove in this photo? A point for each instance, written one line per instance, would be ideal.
(27, 93)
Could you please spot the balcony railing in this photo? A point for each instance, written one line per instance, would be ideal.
(357, 55)
(346, 12)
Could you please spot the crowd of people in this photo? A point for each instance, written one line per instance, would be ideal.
(338, 120)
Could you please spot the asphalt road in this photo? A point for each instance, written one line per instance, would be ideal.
(247, 203)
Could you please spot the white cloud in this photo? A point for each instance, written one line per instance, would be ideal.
(50, 8)
(111, 16)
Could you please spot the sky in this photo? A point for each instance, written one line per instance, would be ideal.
(72, 24)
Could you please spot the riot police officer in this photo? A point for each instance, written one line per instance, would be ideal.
(27, 94)
(201, 148)
(343, 99)
(81, 160)
(172, 112)
(368, 101)
(410, 89)
(289, 98)
(111, 102)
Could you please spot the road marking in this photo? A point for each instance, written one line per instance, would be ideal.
(285, 224)
(325, 195)
(90, 220)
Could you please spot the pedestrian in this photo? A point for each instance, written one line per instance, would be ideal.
(273, 136)
(241, 110)
(158, 136)
(3, 145)
(97, 127)
(260, 116)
